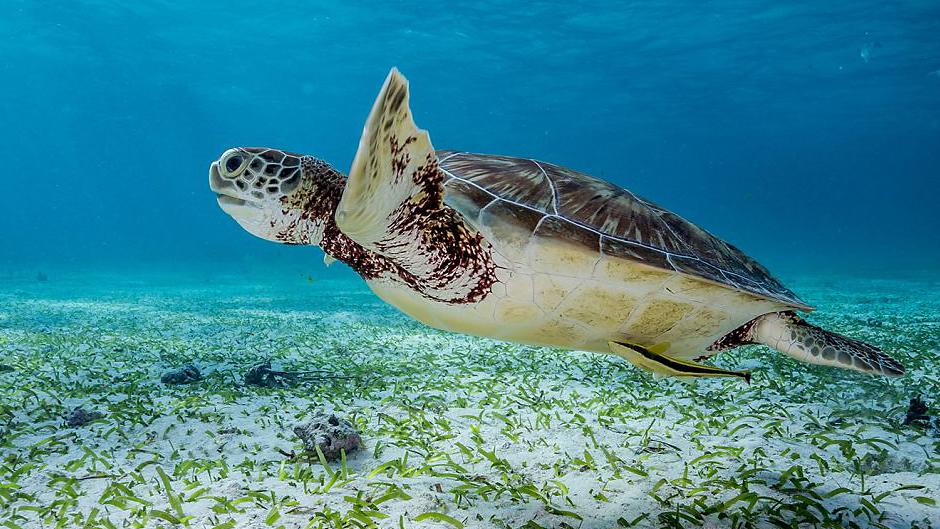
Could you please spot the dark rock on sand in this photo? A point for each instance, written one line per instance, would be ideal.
(265, 376)
(80, 417)
(262, 375)
(884, 462)
(917, 413)
(184, 375)
(331, 434)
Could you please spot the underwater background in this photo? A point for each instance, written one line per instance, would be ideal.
(806, 133)
(161, 367)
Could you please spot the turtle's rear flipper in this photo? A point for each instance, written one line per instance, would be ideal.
(660, 364)
(788, 333)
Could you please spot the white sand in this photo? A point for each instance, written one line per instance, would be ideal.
(495, 435)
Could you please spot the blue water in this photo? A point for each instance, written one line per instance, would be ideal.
(807, 133)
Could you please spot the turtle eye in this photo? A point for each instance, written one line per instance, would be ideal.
(234, 163)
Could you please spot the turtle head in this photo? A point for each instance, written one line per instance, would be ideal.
(276, 195)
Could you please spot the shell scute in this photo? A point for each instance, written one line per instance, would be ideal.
(472, 199)
(550, 291)
(604, 218)
(657, 317)
(598, 306)
(560, 247)
(510, 224)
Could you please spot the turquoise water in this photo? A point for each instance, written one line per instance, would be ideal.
(805, 133)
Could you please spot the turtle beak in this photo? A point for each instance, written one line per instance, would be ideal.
(225, 195)
(216, 183)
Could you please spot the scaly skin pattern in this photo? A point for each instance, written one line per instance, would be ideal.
(292, 199)
(315, 202)
(447, 261)
(790, 334)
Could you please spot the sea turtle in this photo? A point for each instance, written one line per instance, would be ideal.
(524, 251)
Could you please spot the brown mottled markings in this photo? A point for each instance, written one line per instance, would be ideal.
(393, 207)
(627, 225)
(316, 202)
(790, 334)
(740, 336)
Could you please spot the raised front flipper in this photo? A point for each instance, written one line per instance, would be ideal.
(395, 171)
(660, 364)
(393, 205)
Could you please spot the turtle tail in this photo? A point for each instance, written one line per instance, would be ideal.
(790, 334)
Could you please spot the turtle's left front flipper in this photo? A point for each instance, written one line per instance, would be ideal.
(393, 205)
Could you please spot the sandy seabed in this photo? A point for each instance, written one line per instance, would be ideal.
(458, 431)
